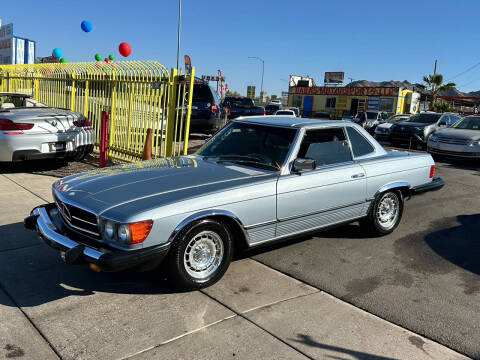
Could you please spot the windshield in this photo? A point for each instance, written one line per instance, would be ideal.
(272, 107)
(250, 144)
(424, 118)
(285, 112)
(202, 93)
(17, 101)
(372, 115)
(244, 102)
(468, 123)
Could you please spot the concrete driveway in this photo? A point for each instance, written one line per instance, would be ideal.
(50, 310)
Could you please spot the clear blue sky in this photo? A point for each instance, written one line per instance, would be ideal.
(373, 40)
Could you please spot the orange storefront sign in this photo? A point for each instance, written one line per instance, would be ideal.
(352, 91)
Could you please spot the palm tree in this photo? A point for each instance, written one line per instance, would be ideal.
(434, 83)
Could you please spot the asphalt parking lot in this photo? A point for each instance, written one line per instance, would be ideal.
(291, 300)
(425, 276)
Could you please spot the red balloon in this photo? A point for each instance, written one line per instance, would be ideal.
(124, 49)
(106, 60)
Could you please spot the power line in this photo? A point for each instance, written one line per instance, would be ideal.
(465, 71)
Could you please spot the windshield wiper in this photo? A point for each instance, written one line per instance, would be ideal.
(251, 162)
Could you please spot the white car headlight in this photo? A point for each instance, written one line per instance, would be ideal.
(123, 233)
(108, 230)
(475, 143)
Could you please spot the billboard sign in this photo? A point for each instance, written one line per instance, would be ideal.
(304, 81)
(251, 91)
(334, 77)
(6, 39)
(212, 78)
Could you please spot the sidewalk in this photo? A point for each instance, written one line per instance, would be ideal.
(254, 312)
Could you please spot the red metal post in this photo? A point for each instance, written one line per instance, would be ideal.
(103, 140)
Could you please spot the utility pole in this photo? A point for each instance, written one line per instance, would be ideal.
(351, 79)
(433, 86)
(263, 68)
(178, 30)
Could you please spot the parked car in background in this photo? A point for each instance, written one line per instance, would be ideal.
(258, 180)
(370, 119)
(382, 130)
(208, 114)
(285, 113)
(271, 109)
(237, 106)
(462, 139)
(416, 130)
(30, 130)
(321, 115)
(296, 110)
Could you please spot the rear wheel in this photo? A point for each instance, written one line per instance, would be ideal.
(200, 255)
(385, 213)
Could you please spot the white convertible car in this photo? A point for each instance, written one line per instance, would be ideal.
(31, 130)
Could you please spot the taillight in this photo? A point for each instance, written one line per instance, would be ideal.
(229, 112)
(82, 123)
(264, 112)
(9, 125)
(432, 171)
(214, 108)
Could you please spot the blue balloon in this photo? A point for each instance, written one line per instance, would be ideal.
(86, 26)
(57, 53)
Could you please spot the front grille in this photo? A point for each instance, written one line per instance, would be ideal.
(447, 140)
(77, 218)
(454, 153)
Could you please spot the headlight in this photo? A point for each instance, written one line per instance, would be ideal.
(123, 233)
(475, 143)
(108, 230)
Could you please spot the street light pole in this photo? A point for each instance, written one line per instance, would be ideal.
(263, 69)
(178, 30)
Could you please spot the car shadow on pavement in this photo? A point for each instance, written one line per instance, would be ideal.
(459, 244)
(353, 354)
(34, 274)
(50, 167)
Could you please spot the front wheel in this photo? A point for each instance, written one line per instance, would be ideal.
(385, 213)
(201, 255)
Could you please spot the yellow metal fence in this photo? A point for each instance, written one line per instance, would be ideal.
(137, 94)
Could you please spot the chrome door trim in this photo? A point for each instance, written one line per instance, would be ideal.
(322, 211)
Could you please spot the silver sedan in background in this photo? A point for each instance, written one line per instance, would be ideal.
(462, 139)
(31, 130)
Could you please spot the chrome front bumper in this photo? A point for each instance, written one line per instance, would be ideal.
(76, 252)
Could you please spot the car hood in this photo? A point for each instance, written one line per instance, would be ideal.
(411, 124)
(459, 133)
(170, 180)
(40, 113)
(385, 125)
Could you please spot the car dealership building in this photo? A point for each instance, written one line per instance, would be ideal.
(345, 101)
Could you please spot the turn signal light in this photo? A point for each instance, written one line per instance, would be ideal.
(139, 231)
(432, 171)
(214, 109)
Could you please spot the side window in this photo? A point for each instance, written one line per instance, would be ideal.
(360, 146)
(325, 146)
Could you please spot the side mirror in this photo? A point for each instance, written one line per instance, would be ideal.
(303, 164)
(442, 123)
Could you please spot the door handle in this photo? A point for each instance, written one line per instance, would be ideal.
(356, 176)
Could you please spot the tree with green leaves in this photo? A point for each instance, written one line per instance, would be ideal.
(434, 84)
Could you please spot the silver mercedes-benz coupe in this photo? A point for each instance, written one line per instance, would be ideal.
(257, 181)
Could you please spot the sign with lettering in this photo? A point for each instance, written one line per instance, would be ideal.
(350, 91)
(6, 35)
(334, 77)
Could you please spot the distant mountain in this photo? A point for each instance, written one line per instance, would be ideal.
(391, 83)
(474, 93)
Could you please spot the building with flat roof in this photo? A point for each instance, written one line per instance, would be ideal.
(15, 49)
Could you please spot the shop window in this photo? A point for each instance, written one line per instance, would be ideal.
(386, 105)
(330, 103)
(297, 101)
